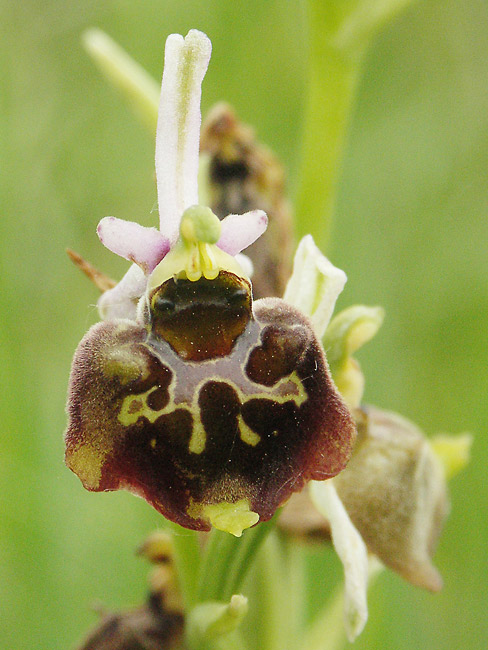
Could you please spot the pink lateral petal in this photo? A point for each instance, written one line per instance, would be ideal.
(144, 246)
(241, 230)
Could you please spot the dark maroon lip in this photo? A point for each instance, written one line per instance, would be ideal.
(254, 422)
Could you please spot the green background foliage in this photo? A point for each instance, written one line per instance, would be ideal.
(410, 230)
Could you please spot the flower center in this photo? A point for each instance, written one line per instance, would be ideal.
(195, 254)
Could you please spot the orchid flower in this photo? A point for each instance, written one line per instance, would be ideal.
(212, 407)
(218, 409)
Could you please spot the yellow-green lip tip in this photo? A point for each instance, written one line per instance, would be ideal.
(231, 518)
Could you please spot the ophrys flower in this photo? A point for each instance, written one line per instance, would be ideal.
(213, 408)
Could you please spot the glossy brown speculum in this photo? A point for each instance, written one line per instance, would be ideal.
(201, 320)
(250, 420)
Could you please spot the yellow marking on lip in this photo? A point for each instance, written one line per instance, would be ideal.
(87, 463)
(248, 436)
(300, 397)
(198, 435)
(135, 406)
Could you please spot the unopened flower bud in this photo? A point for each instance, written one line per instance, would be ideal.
(146, 628)
(211, 620)
(237, 174)
(157, 548)
(346, 333)
(163, 580)
(394, 490)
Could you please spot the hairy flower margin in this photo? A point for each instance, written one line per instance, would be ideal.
(125, 387)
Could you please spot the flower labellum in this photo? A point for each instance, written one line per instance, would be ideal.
(212, 407)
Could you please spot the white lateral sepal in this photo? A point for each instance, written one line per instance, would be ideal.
(351, 549)
(314, 284)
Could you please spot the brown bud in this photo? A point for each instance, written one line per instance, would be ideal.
(243, 175)
(145, 628)
(395, 492)
(163, 580)
(157, 625)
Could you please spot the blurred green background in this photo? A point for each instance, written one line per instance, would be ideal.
(411, 231)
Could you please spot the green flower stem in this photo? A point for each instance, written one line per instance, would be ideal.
(339, 32)
(332, 82)
(187, 557)
(360, 20)
(227, 560)
(295, 577)
(232, 641)
(272, 597)
(328, 631)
